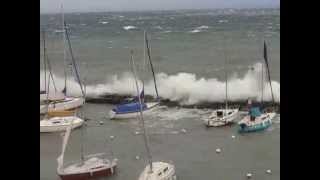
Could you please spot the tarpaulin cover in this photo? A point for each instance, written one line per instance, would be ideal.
(130, 107)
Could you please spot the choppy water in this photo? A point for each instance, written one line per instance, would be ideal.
(192, 150)
(181, 41)
(188, 52)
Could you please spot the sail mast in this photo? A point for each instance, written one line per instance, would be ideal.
(265, 56)
(73, 60)
(149, 56)
(47, 64)
(226, 75)
(64, 53)
(262, 82)
(141, 114)
(44, 60)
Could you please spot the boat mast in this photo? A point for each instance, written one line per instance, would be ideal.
(262, 82)
(265, 56)
(47, 62)
(226, 75)
(44, 60)
(73, 60)
(141, 114)
(64, 53)
(149, 56)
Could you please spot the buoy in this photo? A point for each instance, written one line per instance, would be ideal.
(111, 137)
(218, 150)
(233, 136)
(101, 122)
(137, 157)
(268, 171)
(183, 130)
(249, 175)
(137, 132)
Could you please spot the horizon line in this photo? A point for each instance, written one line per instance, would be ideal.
(145, 10)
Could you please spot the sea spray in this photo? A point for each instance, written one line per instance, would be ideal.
(185, 88)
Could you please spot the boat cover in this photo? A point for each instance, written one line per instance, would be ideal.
(130, 107)
(255, 111)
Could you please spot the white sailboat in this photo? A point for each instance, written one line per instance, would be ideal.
(90, 166)
(58, 124)
(154, 170)
(64, 118)
(257, 120)
(222, 117)
(61, 102)
(131, 109)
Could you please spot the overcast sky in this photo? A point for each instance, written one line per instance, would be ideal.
(51, 6)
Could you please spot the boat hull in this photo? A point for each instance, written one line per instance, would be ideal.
(160, 171)
(150, 107)
(58, 124)
(90, 175)
(68, 104)
(245, 126)
(222, 121)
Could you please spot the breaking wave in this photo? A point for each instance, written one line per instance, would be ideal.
(185, 88)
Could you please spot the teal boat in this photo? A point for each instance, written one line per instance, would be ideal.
(256, 120)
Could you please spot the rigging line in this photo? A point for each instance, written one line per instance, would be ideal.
(141, 114)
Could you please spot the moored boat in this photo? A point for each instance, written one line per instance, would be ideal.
(58, 124)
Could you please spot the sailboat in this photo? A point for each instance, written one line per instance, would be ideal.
(67, 102)
(56, 119)
(131, 109)
(257, 120)
(57, 123)
(90, 166)
(222, 117)
(154, 170)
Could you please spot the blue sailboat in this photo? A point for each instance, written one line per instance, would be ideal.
(132, 108)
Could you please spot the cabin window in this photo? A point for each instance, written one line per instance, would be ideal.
(229, 113)
(159, 174)
(165, 169)
(219, 113)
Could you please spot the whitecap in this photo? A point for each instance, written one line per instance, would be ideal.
(129, 27)
(203, 27)
(223, 21)
(195, 31)
(103, 22)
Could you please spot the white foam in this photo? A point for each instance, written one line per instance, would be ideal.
(195, 31)
(129, 27)
(186, 88)
(103, 22)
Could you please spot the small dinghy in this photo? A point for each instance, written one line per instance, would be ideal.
(93, 167)
(221, 117)
(160, 171)
(58, 124)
